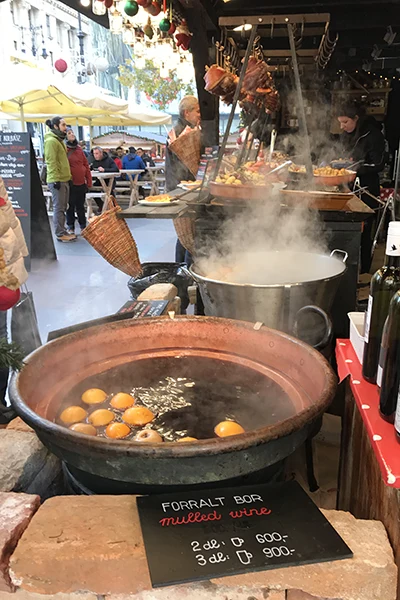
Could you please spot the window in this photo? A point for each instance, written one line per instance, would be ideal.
(13, 13)
(71, 38)
(48, 27)
(59, 33)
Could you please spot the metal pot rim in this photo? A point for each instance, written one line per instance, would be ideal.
(201, 278)
(212, 446)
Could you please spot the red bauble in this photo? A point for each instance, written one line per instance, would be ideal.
(172, 29)
(144, 3)
(154, 9)
(60, 65)
(108, 3)
(8, 298)
(183, 40)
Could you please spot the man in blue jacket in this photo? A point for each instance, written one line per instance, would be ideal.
(132, 160)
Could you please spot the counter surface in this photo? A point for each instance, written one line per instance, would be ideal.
(381, 434)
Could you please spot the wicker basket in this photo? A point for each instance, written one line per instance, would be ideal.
(112, 239)
(187, 149)
(184, 227)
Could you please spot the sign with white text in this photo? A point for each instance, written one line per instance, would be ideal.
(205, 534)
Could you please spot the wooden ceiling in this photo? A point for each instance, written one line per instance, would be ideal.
(360, 24)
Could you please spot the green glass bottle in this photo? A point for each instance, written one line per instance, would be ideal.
(391, 368)
(384, 284)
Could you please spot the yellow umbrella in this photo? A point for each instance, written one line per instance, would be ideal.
(34, 91)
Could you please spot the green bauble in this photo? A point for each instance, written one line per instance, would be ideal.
(164, 25)
(131, 8)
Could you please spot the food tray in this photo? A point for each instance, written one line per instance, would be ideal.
(335, 179)
(240, 192)
(331, 180)
(318, 200)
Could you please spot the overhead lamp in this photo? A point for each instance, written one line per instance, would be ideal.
(389, 36)
(244, 27)
(376, 52)
(85, 3)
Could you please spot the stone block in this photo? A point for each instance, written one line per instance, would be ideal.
(16, 510)
(299, 595)
(202, 591)
(94, 544)
(159, 291)
(24, 595)
(26, 465)
(18, 424)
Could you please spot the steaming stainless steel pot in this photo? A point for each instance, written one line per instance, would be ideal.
(278, 302)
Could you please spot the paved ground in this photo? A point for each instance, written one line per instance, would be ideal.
(81, 285)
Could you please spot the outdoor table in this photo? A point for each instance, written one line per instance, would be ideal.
(106, 181)
(133, 177)
(160, 212)
(155, 178)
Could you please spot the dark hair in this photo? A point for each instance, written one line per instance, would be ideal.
(140, 149)
(351, 109)
(132, 149)
(54, 121)
(119, 148)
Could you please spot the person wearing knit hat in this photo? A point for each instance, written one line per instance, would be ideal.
(58, 175)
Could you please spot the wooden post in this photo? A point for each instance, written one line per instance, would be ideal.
(209, 108)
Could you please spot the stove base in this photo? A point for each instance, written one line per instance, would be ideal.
(82, 483)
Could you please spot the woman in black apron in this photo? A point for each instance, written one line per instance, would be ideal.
(362, 140)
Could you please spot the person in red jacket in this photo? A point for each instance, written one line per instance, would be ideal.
(81, 181)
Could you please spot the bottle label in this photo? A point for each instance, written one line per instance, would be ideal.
(393, 244)
(368, 319)
(379, 376)
(397, 417)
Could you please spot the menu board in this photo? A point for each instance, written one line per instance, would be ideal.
(205, 534)
(15, 169)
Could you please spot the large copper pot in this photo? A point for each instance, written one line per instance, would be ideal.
(303, 374)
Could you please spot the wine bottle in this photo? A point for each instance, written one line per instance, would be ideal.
(382, 354)
(391, 368)
(397, 417)
(384, 284)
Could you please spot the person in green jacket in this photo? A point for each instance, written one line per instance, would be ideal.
(58, 175)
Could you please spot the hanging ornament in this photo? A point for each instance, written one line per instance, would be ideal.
(172, 28)
(131, 8)
(148, 30)
(145, 3)
(116, 22)
(108, 3)
(154, 9)
(164, 25)
(60, 65)
(99, 8)
(183, 40)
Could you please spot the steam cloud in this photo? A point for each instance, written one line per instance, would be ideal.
(246, 249)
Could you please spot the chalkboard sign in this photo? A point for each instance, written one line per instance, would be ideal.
(213, 533)
(15, 169)
(19, 171)
(144, 308)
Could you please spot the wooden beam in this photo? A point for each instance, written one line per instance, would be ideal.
(265, 32)
(286, 53)
(276, 19)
